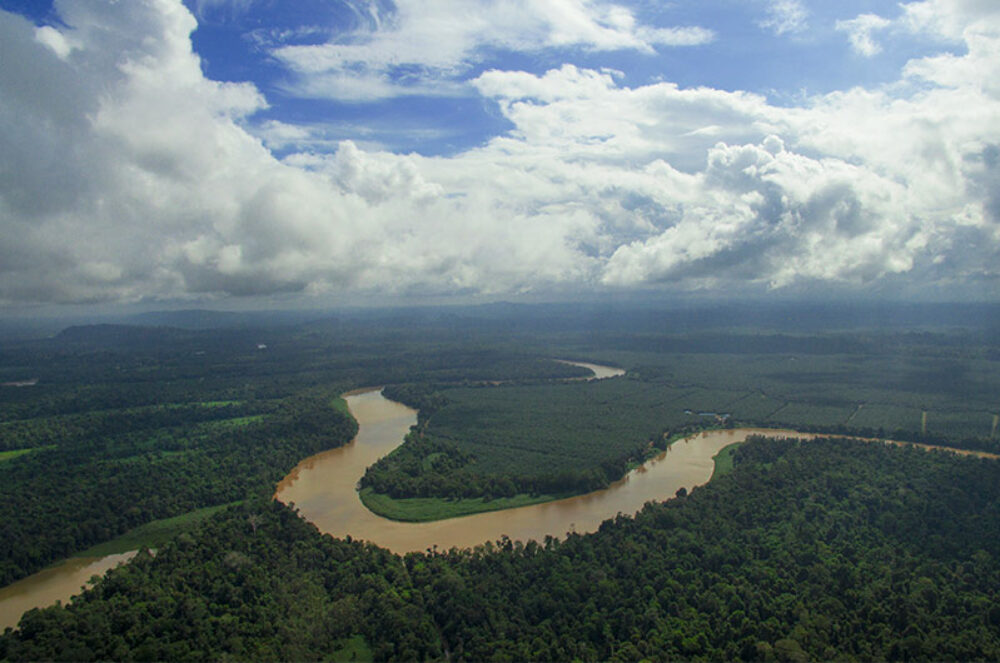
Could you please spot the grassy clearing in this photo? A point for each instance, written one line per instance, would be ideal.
(354, 648)
(235, 422)
(340, 405)
(425, 509)
(428, 461)
(724, 460)
(154, 534)
(14, 453)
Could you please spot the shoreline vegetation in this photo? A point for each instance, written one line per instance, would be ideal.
(430, 509)
(436, 508)
(154, 534)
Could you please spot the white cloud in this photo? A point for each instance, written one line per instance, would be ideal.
(952, 19)
(859, 32)
(889, 185)
(232, 7)
(785, 17)
(424, 47)
(57, 41)
(125, 173)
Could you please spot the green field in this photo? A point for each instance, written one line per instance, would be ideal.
(154, 534)
(352, 650)
(724, 460)
(425, 509)
(340, 405)
(14, 453)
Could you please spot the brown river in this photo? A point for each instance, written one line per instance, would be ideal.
(56, 583)
(323, 488)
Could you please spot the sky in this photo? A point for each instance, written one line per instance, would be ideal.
(362, 151)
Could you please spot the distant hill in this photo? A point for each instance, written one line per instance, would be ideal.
(122, 335)
(207, 319)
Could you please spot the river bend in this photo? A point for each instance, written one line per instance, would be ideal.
(323, 488)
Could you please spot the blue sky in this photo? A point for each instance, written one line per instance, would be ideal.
(754, 47)
(356, 150)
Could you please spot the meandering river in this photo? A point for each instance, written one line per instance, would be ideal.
(323, 487)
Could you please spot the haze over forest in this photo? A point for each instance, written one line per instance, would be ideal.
(252, 153)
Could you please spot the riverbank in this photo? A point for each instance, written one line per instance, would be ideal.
(323, 489)
(430, 509)
(59, 582)
(724, 461)
(64, 579)
(153, 534)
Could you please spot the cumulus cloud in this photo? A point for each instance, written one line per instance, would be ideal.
(423, 47)
(125, 173)
(866, 185)
(952, 19)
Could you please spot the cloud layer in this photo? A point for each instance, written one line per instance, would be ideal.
(423, 47)
(126, 174)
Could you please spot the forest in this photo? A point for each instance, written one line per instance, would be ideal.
(804, 551)
(563, 437)
(807, 551)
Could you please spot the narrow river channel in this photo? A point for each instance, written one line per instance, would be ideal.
(56, 583)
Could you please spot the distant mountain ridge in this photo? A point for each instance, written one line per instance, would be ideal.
(655, 317)
(116, 334)
(209, 319)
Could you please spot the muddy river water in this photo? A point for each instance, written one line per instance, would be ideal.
(56, 583)
(323, 488)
